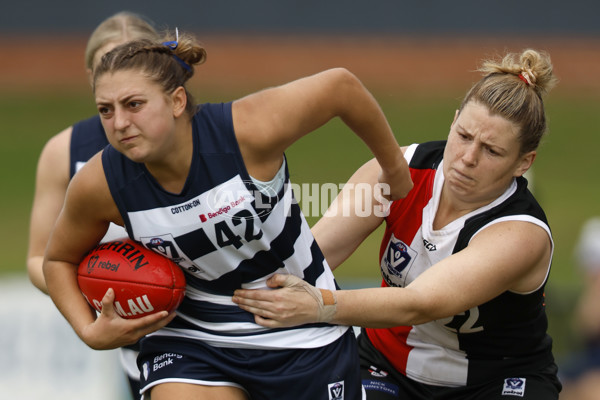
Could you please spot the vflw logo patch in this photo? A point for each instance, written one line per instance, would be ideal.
(336, 390)
(514, 387)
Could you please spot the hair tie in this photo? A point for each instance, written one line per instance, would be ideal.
(173, 45)
(527, 77)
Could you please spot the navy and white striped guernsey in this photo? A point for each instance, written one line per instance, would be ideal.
(87, 139)
(225, 234)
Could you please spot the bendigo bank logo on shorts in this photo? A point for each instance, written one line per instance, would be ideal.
(396, 261)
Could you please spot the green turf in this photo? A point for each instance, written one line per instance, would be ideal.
(565, 172)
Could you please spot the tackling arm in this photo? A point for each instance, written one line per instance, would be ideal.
(511, 255)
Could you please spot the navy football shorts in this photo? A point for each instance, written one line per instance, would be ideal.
(329, 373)
(381, 381)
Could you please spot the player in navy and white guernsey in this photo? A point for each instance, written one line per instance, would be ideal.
(66, 152)
(465, 256)
(226, 234)
(208, 187)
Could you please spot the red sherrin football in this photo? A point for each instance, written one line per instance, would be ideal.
(144, 281)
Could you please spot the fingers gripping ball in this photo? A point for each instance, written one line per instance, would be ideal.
(144, 281)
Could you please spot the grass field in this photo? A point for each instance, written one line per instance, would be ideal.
(565, 172)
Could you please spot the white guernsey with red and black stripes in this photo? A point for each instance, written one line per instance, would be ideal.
(506, 333)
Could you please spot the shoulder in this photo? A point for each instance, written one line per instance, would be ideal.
(519, 248)
(59, 143)
(91, 170)
(87, 181)
(56, 151)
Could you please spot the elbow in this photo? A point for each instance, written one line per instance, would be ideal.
(406, 187)
(344, 82)
(343, 74)
(36, 274)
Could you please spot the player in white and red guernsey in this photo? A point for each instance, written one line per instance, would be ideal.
(464, 259)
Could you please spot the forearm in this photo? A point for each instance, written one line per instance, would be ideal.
(377, 308)
(61, 281)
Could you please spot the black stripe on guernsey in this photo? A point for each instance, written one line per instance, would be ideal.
(263, 263)
(213, 312)
(428, 155)
(196, 244)
(312, 274)
(521, 202)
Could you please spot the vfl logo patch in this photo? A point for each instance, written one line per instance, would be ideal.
(336, 390)
(164, 245)
(514, 387)
(396, 261)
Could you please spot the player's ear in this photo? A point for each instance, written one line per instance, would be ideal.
(90, 76)
(179, 99)
(455, 117)
(525, 163)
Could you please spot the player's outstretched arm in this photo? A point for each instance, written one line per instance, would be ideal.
(268, 122)
(521, 250)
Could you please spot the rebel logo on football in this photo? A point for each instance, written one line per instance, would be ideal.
(94, 263)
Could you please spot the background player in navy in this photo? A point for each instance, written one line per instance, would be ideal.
(464, 258)
(66, 152)
(580, 372)
(163, 178)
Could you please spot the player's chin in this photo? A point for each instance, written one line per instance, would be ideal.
(135, 155)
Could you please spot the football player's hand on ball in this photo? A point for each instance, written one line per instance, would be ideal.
(110, 331)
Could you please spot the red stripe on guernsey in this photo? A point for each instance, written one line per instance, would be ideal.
(405, 219)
